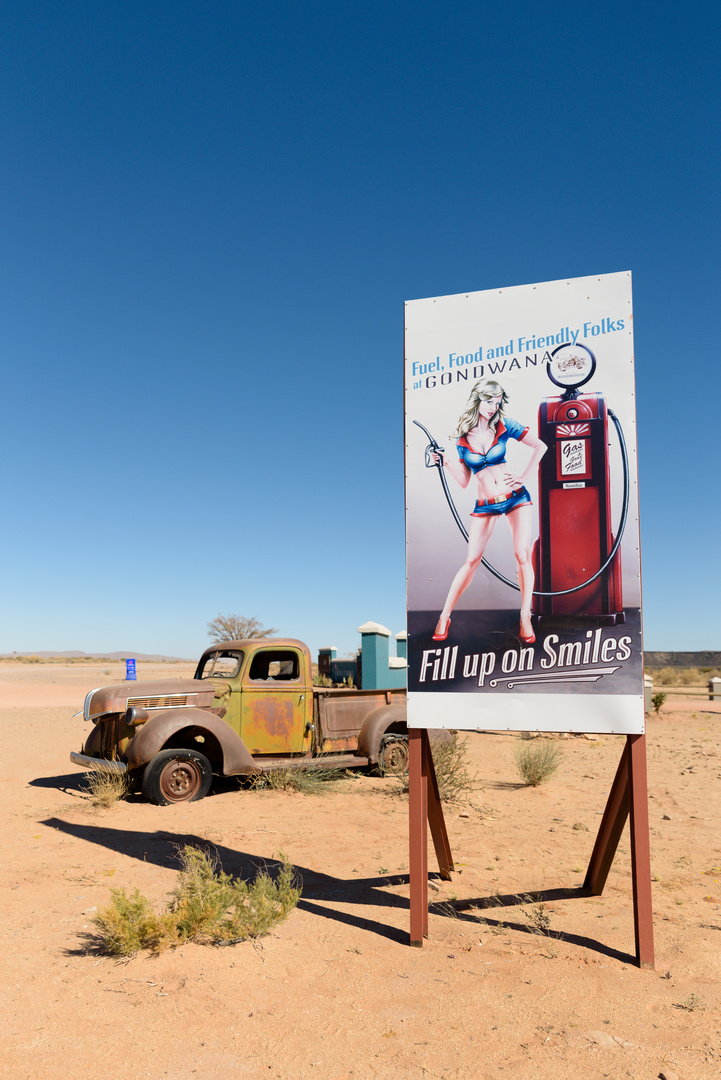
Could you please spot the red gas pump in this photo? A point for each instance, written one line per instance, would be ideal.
(576, 541)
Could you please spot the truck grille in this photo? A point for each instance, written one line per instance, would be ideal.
(166, 702)
(109, 739)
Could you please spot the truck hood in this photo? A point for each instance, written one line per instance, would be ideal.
(168, 694)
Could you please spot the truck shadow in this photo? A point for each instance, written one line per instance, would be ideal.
(71, 783)
(160, 848)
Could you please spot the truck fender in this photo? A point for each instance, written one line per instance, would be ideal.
(376, 724)
(155, 733)
(91, 746)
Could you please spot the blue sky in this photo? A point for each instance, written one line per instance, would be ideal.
(212, 215)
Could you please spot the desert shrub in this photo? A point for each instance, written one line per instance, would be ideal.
(322, 680)
(310, 780)
(128, 924)
(451, 762)
(105, 788)
(537, 761)
(207, 906)
(539, 919)
(669, 676)
(657, 701)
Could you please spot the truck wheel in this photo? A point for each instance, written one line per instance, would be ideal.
(393, 755)
(175, 776)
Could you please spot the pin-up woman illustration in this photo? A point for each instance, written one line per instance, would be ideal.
(482, 433)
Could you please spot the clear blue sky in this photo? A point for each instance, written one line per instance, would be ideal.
(212, 214)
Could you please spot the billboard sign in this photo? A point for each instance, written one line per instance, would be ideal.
(522, 538)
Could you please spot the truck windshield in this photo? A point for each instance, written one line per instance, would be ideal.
(221, 665)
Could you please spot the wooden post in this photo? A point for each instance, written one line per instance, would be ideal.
(418, 836)
(640, 851)
(435, 815)
(629, 794)
(424, 809)
(610, 829)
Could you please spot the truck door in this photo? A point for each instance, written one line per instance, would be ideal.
(274, 703)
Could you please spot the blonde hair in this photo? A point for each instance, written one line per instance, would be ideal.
(482, 391)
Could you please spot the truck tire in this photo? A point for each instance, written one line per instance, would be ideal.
(175, 776)
(393, 755)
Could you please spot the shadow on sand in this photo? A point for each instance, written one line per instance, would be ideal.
(160, 848)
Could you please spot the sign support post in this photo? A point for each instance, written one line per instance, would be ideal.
(628, 795)
(424, 810)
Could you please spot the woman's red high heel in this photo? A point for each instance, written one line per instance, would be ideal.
(444, 635)
(526, 640)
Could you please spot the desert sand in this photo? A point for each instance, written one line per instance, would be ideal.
(335, 992)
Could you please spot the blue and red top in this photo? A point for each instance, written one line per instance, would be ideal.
(496, 454)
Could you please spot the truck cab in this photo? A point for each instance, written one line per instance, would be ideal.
(269, 700)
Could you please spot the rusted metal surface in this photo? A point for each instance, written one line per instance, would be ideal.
(375, 724)
(250, 646)
(115, 699)
(337, 746)
(393, 755)
(154, 735)
(273, 721)
(180, 780)
(100, 764)
(351, 720)
(276, 716)
(307, 761)
(91, 745)
(341, 712)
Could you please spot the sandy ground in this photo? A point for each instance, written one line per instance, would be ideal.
(335, 992)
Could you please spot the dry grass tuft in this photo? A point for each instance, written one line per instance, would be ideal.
(537, 761)
(105, 788)
(307, 781)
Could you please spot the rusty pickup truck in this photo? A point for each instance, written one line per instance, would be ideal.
(250, 708)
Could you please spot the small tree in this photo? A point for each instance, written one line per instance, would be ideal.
(236, 628)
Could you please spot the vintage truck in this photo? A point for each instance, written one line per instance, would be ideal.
(250, 708)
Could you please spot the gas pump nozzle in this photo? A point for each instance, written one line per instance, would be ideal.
(431, 449)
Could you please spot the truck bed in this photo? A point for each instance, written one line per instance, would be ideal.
(340, 714)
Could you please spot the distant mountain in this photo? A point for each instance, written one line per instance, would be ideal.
(683, 659)
(76, 654)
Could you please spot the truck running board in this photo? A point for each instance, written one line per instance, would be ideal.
(327, 761)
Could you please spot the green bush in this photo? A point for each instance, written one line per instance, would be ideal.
(128, 924)
(207, 906)
(537, 761)
(657, 701)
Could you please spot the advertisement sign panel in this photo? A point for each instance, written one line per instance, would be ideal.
(522, 538)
